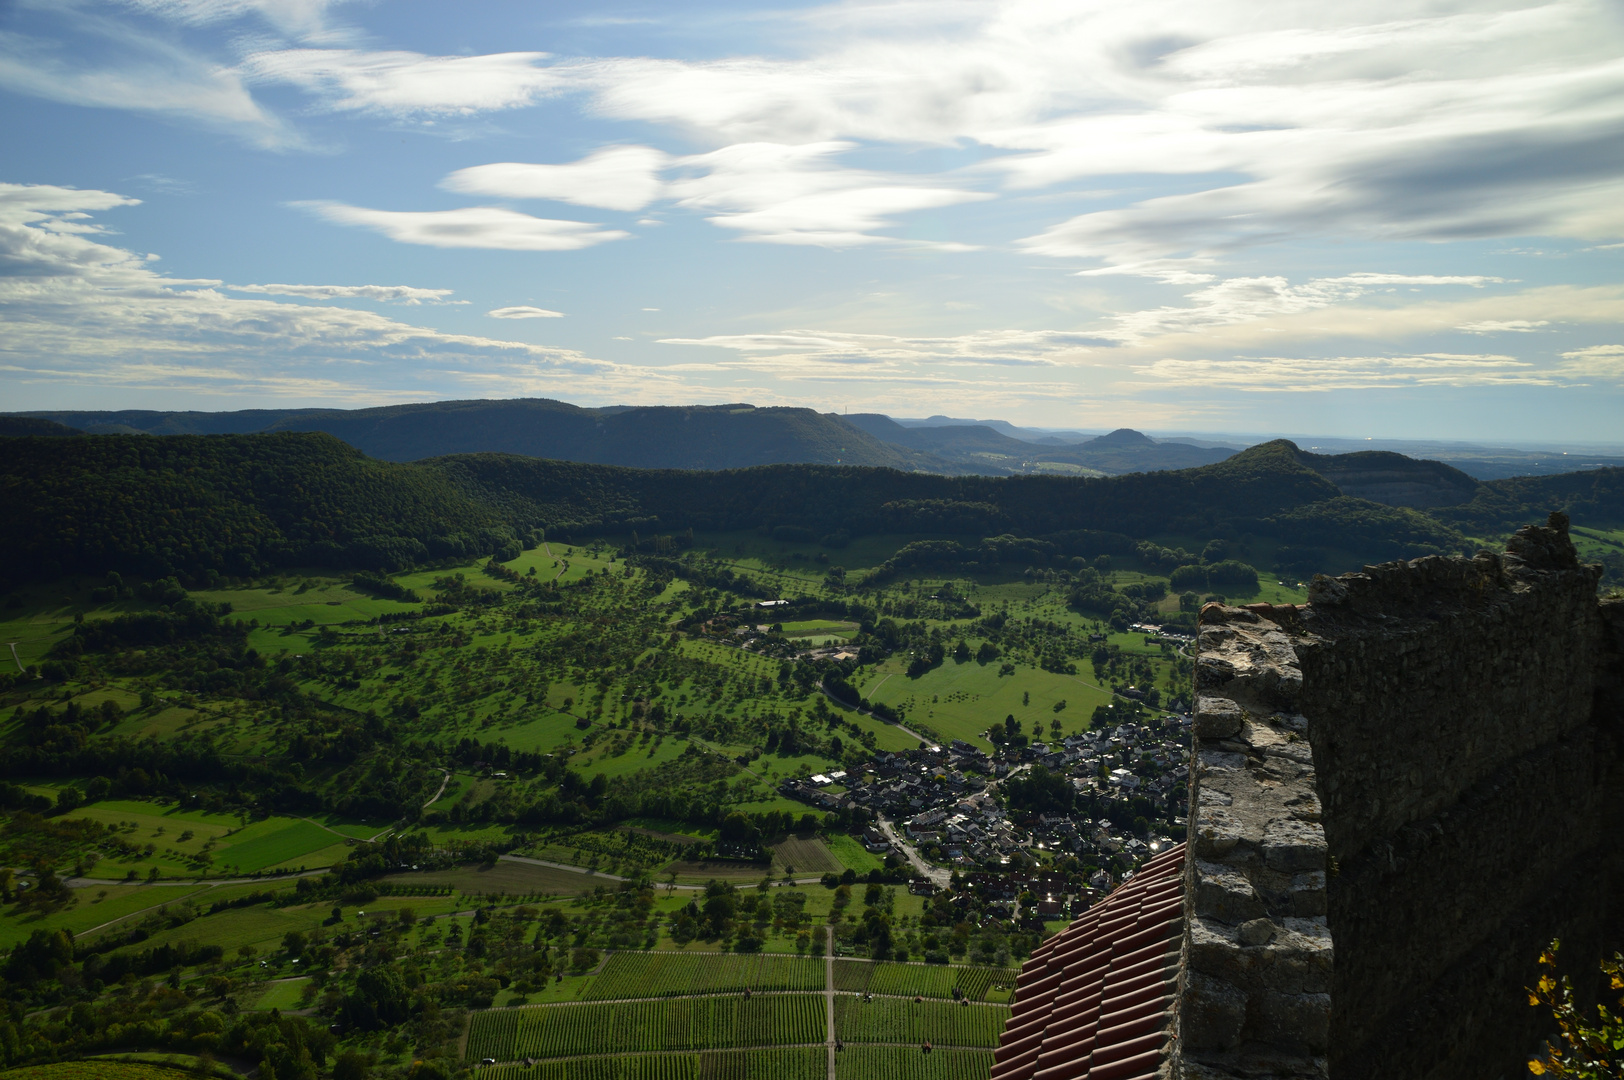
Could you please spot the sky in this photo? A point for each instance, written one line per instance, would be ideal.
(1389, 220)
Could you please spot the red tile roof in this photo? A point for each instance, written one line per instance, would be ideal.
(1094, 1001)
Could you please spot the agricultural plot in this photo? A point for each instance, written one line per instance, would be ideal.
(891, 1020)
(644, 975)
(551, 1031)
(97, 1069)
(787, 1063)
(906, 1063)
(808, 855)
(921, 980)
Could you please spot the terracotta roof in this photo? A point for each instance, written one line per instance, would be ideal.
(1093, 1003)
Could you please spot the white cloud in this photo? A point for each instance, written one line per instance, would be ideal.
(789, 351)
(406, 83)
(303, 18)
(1503, 326)
(77, 310)
(787, 194)
(1595, 362)
(138, 72)
(613, 178)
(1239, 300)
(1280, 374)
(524, 312)
(398, 294)
(471, 227)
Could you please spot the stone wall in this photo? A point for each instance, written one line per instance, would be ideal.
(1464, 792)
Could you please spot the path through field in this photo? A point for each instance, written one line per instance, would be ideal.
(829, 995)
(15, 657)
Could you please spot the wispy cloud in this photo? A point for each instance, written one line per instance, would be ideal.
(471, 227)
(408, 83)
(613, 178)
(524, 312)
(79, 310)
(1281, 374)
(1504, 326)
(388, 294)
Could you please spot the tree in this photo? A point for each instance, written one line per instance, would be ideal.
(1587, 1051)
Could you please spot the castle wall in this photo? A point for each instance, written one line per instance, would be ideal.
(1464, 722)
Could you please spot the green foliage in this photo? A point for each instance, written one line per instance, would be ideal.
(232, 505)
(1587, 1050)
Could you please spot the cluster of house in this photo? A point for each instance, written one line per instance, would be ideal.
(944, 799)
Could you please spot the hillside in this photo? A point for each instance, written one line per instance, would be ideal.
(231, 504)
(981, 448)
(671, 437)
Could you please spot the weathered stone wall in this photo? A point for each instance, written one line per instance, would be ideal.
(1467, 787)
(1257, 953)
(1465, 720)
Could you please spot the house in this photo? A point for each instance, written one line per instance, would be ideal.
(772, 603)
(874, 840)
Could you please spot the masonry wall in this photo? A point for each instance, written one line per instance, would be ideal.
(1464, 718)
(1402, 793)
(1470, 795)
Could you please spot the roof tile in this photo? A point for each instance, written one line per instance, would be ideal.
(1093, 1002)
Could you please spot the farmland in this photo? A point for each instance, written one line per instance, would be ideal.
(900, 1020)
(860, 1062)
(646, 975)
(923, 980)
(788, 1063)
(631, 1027)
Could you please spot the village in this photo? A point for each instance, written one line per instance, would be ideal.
(1036, 832)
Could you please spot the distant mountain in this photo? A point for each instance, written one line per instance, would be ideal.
(241, 504)
(671, 437)
(980, 448)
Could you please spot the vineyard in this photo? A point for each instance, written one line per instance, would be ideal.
(645, 975)
(919, 980)
(893, 1020)
(549, 1031)
(908, 1063)
(790, 1063)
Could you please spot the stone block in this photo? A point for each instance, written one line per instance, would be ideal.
(1212, 1014)
(1217, 718)
(1226, 894)
(1295, 1021)
(1292, 845)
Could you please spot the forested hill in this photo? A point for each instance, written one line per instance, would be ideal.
(238, 504)
(229, 504)
(679, 437)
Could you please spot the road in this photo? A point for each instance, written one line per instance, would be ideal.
(616, 877)
(937, 876)
(15, 657)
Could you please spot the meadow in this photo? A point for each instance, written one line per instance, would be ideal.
(639, 1026)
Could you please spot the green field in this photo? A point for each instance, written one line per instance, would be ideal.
(859, 1062)
(787, 1063)
(283, 994)
(894, 1020)
(643, 975)
(919, 980)
(638, 1026)
(97, 1069)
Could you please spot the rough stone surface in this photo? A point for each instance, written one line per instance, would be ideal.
(1424, 763)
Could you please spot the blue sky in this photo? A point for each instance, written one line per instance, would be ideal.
(1382, 219)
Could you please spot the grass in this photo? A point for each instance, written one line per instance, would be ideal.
(960, 701)
(91, 909)
(515, 878)
(282, 994)
(852, 854)
(97, 1069)
(641, 975)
